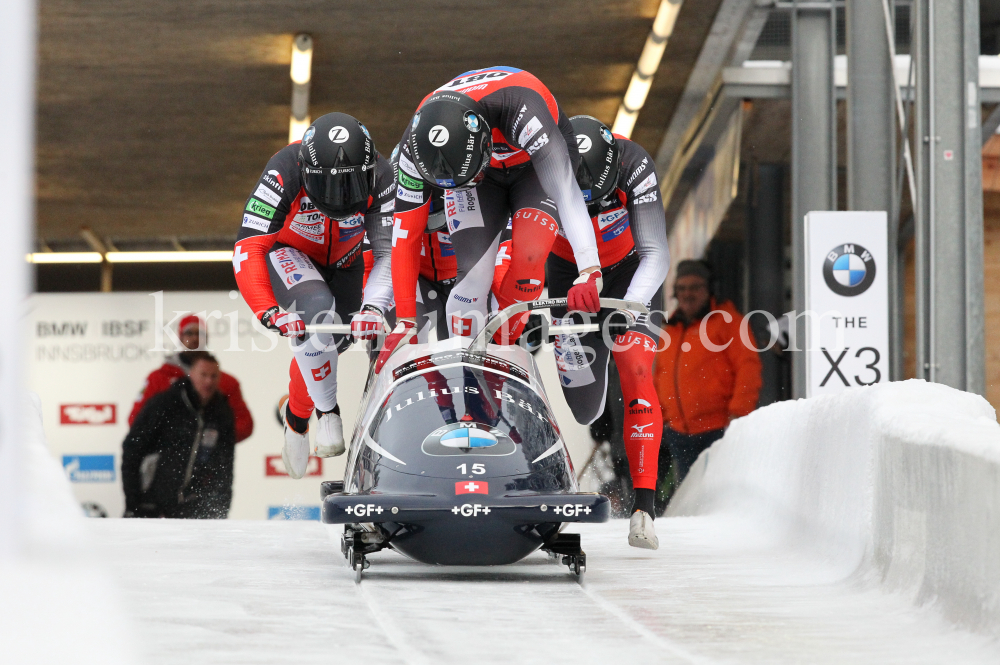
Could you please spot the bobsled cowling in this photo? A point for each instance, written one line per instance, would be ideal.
(458, 460)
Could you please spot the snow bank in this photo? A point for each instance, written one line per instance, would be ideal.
(897, 484)
(58, 604)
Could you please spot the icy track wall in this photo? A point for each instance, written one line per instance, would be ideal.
(897, 484)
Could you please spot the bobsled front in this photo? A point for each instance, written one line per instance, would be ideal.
(458, 459)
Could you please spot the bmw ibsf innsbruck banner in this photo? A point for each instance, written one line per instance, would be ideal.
(91, 352)
(847, 300)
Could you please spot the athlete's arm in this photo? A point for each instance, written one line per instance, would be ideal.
(378, 228)
(409, 221)
(263, 216)
(542, 138)
(637, 178)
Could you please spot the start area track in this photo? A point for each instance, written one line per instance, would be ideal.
(280, 592)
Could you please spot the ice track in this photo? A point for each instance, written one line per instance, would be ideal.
(269, 592)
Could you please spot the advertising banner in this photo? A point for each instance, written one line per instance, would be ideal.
(847, 300)
(89, 354)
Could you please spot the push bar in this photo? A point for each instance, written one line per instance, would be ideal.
(478, 345)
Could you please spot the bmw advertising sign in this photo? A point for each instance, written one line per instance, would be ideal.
(849, 269)
(847, 300)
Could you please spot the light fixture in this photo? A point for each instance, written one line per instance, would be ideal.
(296, 128)
(301, 73)
(302, 55)
(169, 257)
(64, 257)
(649, 62)
(131, 257)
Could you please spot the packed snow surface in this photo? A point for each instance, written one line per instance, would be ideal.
(856, 528)
(715, 591)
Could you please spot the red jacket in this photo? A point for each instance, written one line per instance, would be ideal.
(702, 390)
(161, 379)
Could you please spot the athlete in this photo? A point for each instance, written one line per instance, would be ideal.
(497, 142)
(297, 259)
(618, 181)
(437, 262)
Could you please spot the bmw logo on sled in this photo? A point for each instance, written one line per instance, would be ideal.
(457, 459)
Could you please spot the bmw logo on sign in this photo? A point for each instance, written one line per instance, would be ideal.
(849, 269)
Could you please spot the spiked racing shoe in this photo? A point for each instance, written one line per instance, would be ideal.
(640, 531)
(295, 451)
(330, 435)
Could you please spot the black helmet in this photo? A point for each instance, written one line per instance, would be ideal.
(337, 161)
(435, 216)
(450, 141)
(600, 156)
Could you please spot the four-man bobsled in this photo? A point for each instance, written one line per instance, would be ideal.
(456, 458)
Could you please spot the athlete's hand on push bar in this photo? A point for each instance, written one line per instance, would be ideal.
(368, 323)
(287, 324)
(585, 294)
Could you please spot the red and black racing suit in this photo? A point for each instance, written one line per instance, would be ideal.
(530, 179)
(632, 241)
(291, 255)
(438, 269)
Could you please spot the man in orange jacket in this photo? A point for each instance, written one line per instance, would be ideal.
(708, 374)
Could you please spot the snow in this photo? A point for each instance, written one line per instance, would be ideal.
(860, 527)
(896, 485)
(718, 590)
(58, 602)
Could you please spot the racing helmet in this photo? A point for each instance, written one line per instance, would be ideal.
(435, 216)
(600, 157)
(337, 161)
(450, 141)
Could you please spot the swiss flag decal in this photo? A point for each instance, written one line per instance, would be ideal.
(460, 326)
(472, 487)
(322, 372)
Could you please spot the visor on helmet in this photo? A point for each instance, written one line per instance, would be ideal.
(339, 192)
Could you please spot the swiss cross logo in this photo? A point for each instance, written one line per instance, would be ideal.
(322, 372)
(398, 231)
(460, 326)
(472, 487)
(239, 256)
(87, 414)
(273, 466)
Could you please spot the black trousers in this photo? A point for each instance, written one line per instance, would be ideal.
(684, 450)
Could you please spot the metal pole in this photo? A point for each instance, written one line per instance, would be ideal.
(950, 319)
(814, 146)
(765, 259)
(871, 135)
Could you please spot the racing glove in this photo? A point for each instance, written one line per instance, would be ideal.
(405, 332)
(584, 295)
(287, 324)
(367, 324)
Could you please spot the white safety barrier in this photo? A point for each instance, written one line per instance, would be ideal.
(898, 483)
(58, 602)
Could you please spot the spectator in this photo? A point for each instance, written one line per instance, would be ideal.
(177, 460)
(177, 365)
(702, 387)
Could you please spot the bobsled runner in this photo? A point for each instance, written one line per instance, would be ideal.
(456, 458)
